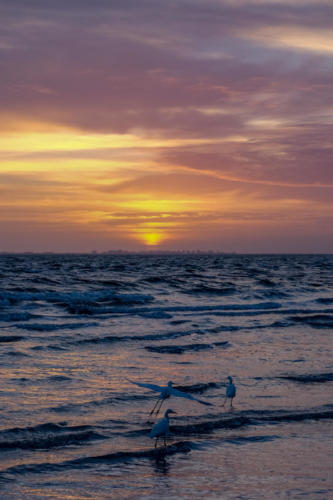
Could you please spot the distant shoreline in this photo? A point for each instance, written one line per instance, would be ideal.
(160, 253)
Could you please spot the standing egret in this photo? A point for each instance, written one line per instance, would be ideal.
(161, 428)
(230, 392)
(165, 393)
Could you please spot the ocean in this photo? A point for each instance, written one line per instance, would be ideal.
(75, 330)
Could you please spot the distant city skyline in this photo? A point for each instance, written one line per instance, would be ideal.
(166, 126)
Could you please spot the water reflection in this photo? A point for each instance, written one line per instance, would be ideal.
(161, 469)
(160, 465)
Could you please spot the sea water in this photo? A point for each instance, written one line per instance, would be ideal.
(75, 330)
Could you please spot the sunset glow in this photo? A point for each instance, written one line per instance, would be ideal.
(182, 126)
(152, 239)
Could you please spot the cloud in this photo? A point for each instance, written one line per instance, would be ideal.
(301, 160)
(298, 38)
(216, 110)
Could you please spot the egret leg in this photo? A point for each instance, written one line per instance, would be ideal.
(225, 400)
(158, 399)
(156, 442)
(158, 409)
(165, 441)
(231, 402)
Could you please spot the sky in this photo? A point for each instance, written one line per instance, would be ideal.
(166, 125)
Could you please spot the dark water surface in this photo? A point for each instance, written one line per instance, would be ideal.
(73, 328)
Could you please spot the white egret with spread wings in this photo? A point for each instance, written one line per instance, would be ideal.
(165, 393)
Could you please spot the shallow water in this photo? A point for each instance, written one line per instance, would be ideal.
(74, 328)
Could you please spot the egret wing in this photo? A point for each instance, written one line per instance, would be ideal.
(153, 387)
(231, 391)
(180, 394)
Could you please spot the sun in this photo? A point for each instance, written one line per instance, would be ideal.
(152, 239)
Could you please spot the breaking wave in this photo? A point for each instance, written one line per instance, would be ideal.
(315, 320)
(46, 436)
(180, 349)
(309, 378)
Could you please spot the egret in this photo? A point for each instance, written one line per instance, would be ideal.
(161, 428)
(165, 393)
(230, 392)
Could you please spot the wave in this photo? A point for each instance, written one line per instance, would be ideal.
(16, 354)
(128, 338)
(272, 294)
(50, 435)
(200, 388)
(180, 349)
(46, 436)
(17, 316)
(223, 328)
(284, 323)
(266, 282)
(210, 425)
(298, 416)
(50, 327)
(157, 314)
(155, 279)
(10, 338)
(75, 302)
(50, 442)
(117, 457)
(309, 378)
(281, 324)
(252, 417)
(46, 427)
(167, 311)
(315, 320)
(223, 343)
(120, 456)
(241, 419)
(212, 290)
(46, 348)
(325, 300)
(58, 378)
(225, 310)
(107, 296)
(251, 439)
